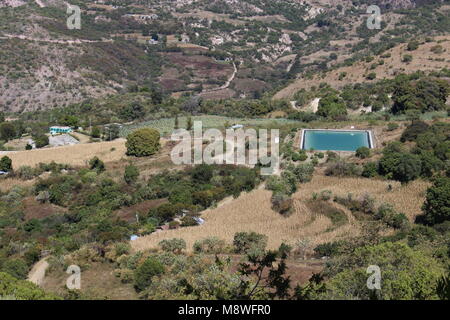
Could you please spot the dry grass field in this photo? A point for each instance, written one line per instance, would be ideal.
(76, 155)
(423, 59)
(252, 212)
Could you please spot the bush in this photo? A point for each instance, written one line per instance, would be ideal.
(131, 174)
(211, 245)
(5, 164)
(174, 245)
(363, 152)
(342, 168)
(371, 76)
(16, 268)
(21, 289)
(328, 249)
(244, 241)
(96, 164)
(412, 45)
(40, 140)
(407, 58)
(436, 208)
(332, 106)
(303, 172)
(25, 172)
(408, 168)
(370, 170)
(281, 203)
(144, 273)
(392, 126)
(143, 142)
(416, 128)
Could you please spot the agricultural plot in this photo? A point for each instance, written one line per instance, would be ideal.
(167, 125)
(253, 212)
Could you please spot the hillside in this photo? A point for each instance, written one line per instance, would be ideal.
(431, 56)
(219, 49)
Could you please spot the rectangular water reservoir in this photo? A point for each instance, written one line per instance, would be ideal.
(335, 140)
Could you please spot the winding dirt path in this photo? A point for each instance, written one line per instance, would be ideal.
(76, 41)
(37, 273)
(227, 84)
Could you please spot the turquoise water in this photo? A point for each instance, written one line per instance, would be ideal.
(335, 140)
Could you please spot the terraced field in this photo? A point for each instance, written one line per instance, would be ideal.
(309, 223)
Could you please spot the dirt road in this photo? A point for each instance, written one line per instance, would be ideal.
(37, 273)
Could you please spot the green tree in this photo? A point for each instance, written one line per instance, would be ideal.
(436, 208)
(362, 152)
(7, 131)
(245, 241)
(22, 289)
(5, 164)
(408, 168)
(16, 267)
(96, 164)
(331, 106)
(131, 174)
(144, 273)
(96, 132)
(41, 140)
(143, 142)
(407, 274)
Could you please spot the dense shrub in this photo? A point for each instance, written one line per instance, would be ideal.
(96, 164)
(144, 273)
(436, 208)
(362, 152)
(211, 245)
(16, 267)
(303, 172)
(370, 170)
(131, 174)
(342, 168)
(40, 140)
(408, 168)
(143, 142)
(175, 245)
(5, 164)
(412, 131)
(244, 241)
(332, 106)
(281, 203)
(21, 289)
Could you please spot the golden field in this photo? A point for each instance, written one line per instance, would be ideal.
(75, 155)
(252, 212)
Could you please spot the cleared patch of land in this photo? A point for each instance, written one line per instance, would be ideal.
(75, 155)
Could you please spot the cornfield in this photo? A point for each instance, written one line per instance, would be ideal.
(76, 155)
(252, 212)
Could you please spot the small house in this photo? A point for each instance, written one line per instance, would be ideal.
(57, 130)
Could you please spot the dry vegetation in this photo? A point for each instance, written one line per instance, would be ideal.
(423, 59)
(252, 212)
(76, 155)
